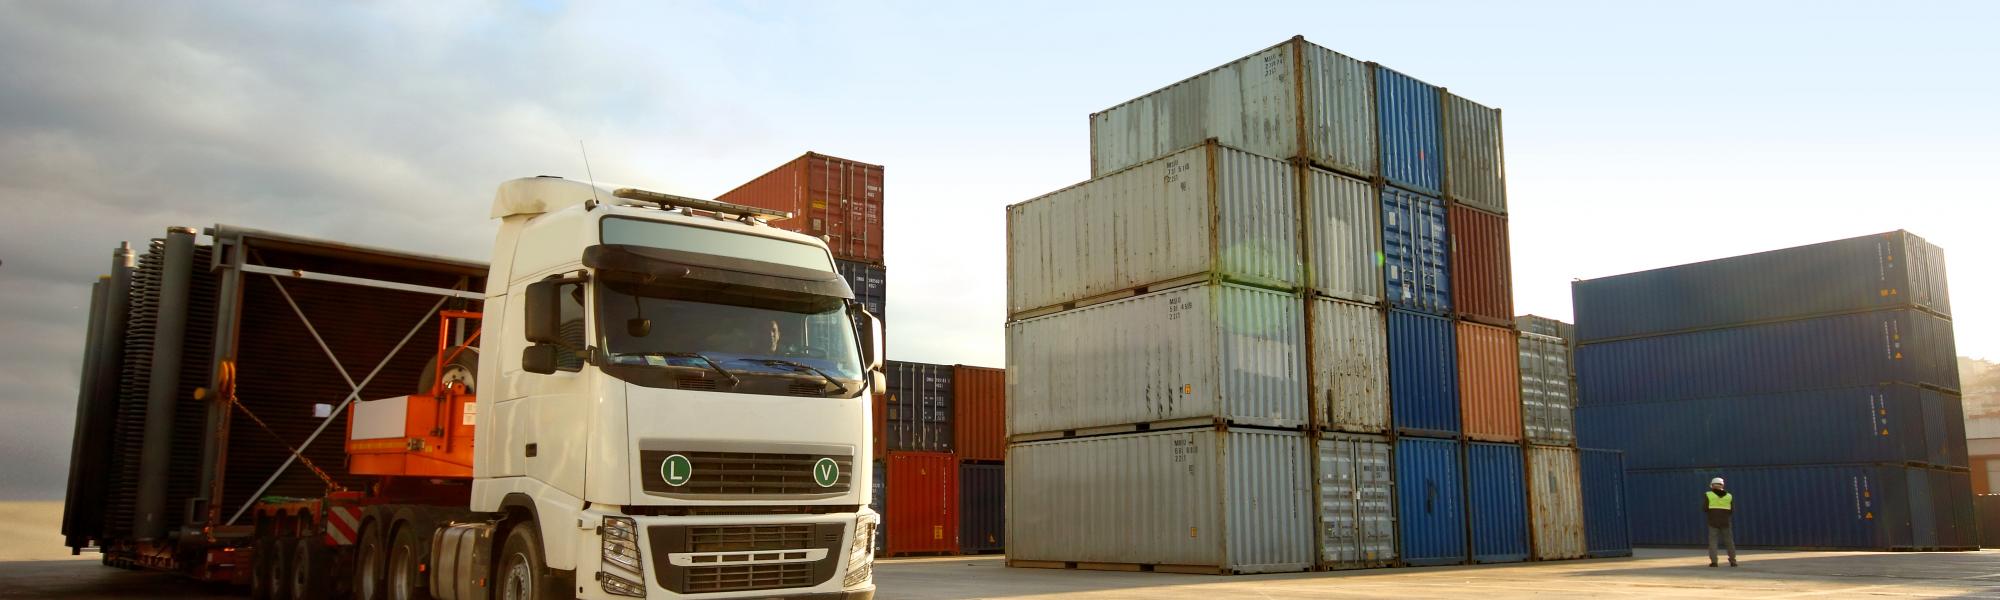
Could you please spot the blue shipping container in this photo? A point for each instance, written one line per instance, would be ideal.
(919, 406)
(870, 284)
(1606, 523)
(1881, 507)
(1890, 270)
(1865, 424)
(982, 508)
(1416, 251)
(878, 492)
(1944, 429)
(1900, 345)
(1423, 373)
(1430, 501)
(1409, 129)
(1498, 502)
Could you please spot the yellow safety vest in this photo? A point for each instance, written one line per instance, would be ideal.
(1716, 501)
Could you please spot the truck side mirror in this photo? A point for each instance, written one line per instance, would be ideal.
(873, 353)
(544, 312)
(539, 359)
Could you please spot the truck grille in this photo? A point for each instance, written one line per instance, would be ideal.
(778, 556)
(750, 538)
(745, 474)
(748, 577)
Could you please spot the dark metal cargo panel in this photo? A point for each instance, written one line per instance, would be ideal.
(1423, 374)
(1876, 423)
(1877, 507)
(982, 508)
(919, 407)
(1430, 501)
(1606, 527)
(1497, 502)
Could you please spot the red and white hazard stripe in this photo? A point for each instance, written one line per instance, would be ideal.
(343, 525)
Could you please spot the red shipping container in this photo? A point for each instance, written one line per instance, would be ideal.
(1482, 282)
(981, 413)
(1489, 382)
(836, 199)
(923, 503)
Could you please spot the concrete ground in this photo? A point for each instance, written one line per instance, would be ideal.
(1651, 574)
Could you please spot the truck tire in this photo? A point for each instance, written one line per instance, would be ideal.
(278, 571)
(371, 564)
(310, 562)
(406, 557)
(520, 572)
(260, 567)
(464, 368)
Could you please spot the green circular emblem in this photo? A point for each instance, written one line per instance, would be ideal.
(676, 470)
(826, 472)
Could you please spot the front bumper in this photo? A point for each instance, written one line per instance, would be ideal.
(734, 556)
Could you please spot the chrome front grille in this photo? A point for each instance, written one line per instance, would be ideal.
(745, 474)
(733, 558)
(750, 538)
(739, 578)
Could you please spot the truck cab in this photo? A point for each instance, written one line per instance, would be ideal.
(674, 401)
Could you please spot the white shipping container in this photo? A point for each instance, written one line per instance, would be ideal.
(1295, 99)
(1548, 399)
(1207, 209)
(1555, 497)
(1344, 236)
(1350, 366)
(1201, 351)
(1474, 166)
(1200, 500)
(1357, 510)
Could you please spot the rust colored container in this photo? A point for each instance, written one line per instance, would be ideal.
(1482, 283)
(981, 395)
(1489, 382)
(923, 503)
(836, 199)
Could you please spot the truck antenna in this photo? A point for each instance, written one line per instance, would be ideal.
(586, 172)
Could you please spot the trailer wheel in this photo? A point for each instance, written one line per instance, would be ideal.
(371, 563)
(406, 576)
(523, 574)
(260, 568)
(310, 562)
(278, 571)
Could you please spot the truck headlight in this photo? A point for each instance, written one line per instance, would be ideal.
(861, 555)
(622, 573)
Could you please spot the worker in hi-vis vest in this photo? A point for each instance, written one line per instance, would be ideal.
(1720, 505)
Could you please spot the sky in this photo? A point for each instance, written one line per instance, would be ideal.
(1637, 135)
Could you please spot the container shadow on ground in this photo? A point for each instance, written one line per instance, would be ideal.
(1974, 574)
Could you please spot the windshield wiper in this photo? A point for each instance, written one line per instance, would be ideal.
(797, 365)
(712, 365)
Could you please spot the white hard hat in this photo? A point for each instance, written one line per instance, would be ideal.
(1716, 481)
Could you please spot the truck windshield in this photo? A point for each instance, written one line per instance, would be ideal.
(754, 338)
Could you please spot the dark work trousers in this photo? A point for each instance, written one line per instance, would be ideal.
(1728, 537)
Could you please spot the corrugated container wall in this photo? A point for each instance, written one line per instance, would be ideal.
(1223, 502)
(1498, 503)
(1409, 127)
(982, 508)
(1548, 407)
(1863, 424)
(1482, 284)
(1344, 237)
(1423, 374)
(1556, 494)
(1416, 250)
(1489, 382)
(980, 414)
(1890, 270)
(1877, 507)
(1357, 511)
(1269, 103)
(835, 199)
(1540, 325)
(1855, 349)
(1350, 366)
(1430, 501)
(919, 407)
(1199, 351)
(1606, 520)
(1475, 166)
(1208, 209)
(870, 284)
(923, 503)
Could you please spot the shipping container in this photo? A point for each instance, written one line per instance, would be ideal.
(1862, 424)
(1482, 285)
(1343, 237)
(1871, 507)
(1540, 325)
(1423, 374)
(1416, 247)
(1607, 528)
(879, 499)
(1202, 500)
(834, 199)
(1901, 345)
(980, 412)
(1497, 501)
(982, 508)
(1556, 494)
(923, 504)
(1357, 508)
(1409, 127)
(1350, 366)
(1205, 211)
(1548, 407)
(919, 407)
(1944, 429)
(1890, 270)
(1987, 509)
(1295, 99)
(1489, 382)
(870, 284)
(1430, 501)
(1195, 352)
(1475, 168)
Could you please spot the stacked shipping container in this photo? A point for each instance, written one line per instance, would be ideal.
(1561, 484)
(1820, 381)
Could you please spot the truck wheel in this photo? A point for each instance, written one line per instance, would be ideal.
(278, 572)
(310, 562)
(463, 369)
(371, 562)
(260, 568)
(406, 555)
(523, 575)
